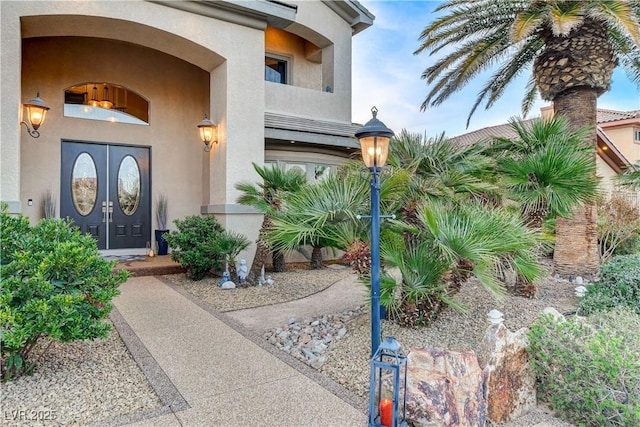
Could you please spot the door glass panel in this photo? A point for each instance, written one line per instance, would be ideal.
(129, 185)
(84, 184)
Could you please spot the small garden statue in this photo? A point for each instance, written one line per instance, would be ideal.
(225, 278)
(243, 271)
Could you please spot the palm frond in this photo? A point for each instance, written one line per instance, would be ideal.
(507, 35)
(621, 14)
(565, 17)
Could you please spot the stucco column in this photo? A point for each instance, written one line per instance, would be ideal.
(237, 101)
(10, 108)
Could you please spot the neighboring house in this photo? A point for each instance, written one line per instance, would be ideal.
(127, 84)
(618, 144)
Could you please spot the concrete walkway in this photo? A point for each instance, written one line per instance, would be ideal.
(209, 370)
(342, 295)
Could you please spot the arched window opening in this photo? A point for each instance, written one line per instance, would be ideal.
(106, 102)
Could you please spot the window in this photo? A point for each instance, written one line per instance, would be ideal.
(275, 70)
(322, 171)
(105, 102)
(302, 167)
(636, 136)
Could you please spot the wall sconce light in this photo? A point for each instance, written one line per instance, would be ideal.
(36, 113)
(207, 133)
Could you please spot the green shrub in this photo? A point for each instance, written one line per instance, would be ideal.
(629, 247)
(589, 369)
(194, 244)
(618, 285)
(54, 286)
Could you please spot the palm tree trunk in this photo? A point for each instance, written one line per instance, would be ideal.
(523, 287)
(576, 248)
(262, 250)
(278, 261)
(316, 258)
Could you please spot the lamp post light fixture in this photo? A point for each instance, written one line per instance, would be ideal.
(374, 139)
(36, 113)
(207, 133)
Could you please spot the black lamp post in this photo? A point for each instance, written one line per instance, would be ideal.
(374, 139)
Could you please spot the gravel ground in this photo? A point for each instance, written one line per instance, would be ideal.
(288, 286)
(78, 384)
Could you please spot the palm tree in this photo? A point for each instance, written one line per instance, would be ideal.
(547, 168)
(267, 197)
(324, 214)
(438, 170)
(227, 247)
(453, 241)
(631, 177)
(573, 47)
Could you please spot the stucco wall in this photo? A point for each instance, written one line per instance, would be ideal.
(607, 174)
(623, 138)
(303, 72)
(321, 26)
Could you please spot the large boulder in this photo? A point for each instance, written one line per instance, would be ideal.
(444, 388)
(510, 382)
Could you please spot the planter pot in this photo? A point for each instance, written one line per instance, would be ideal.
(163, 245)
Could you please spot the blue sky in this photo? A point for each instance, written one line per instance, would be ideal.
(387, 74)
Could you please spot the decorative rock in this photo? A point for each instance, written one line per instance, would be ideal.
(444, 388)
(311, 340)
(228, 285)
(580, 291)
(579, 281)
(510, 383)
(495, 317)
(555, 313)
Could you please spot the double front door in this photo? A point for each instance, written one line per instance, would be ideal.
(105, 191)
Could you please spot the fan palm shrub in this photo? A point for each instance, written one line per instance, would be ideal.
(267, 197)
(631, 177)
(546, 168)
(227, 246)
(440, 170)
(452, 241)
(325, 213)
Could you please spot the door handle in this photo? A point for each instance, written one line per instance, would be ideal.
(110, 211)
(104, 211)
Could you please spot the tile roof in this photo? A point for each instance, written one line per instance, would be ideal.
(605, 116)
(504, 130)
(471, 138)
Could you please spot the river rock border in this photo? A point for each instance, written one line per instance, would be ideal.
(309, 340)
